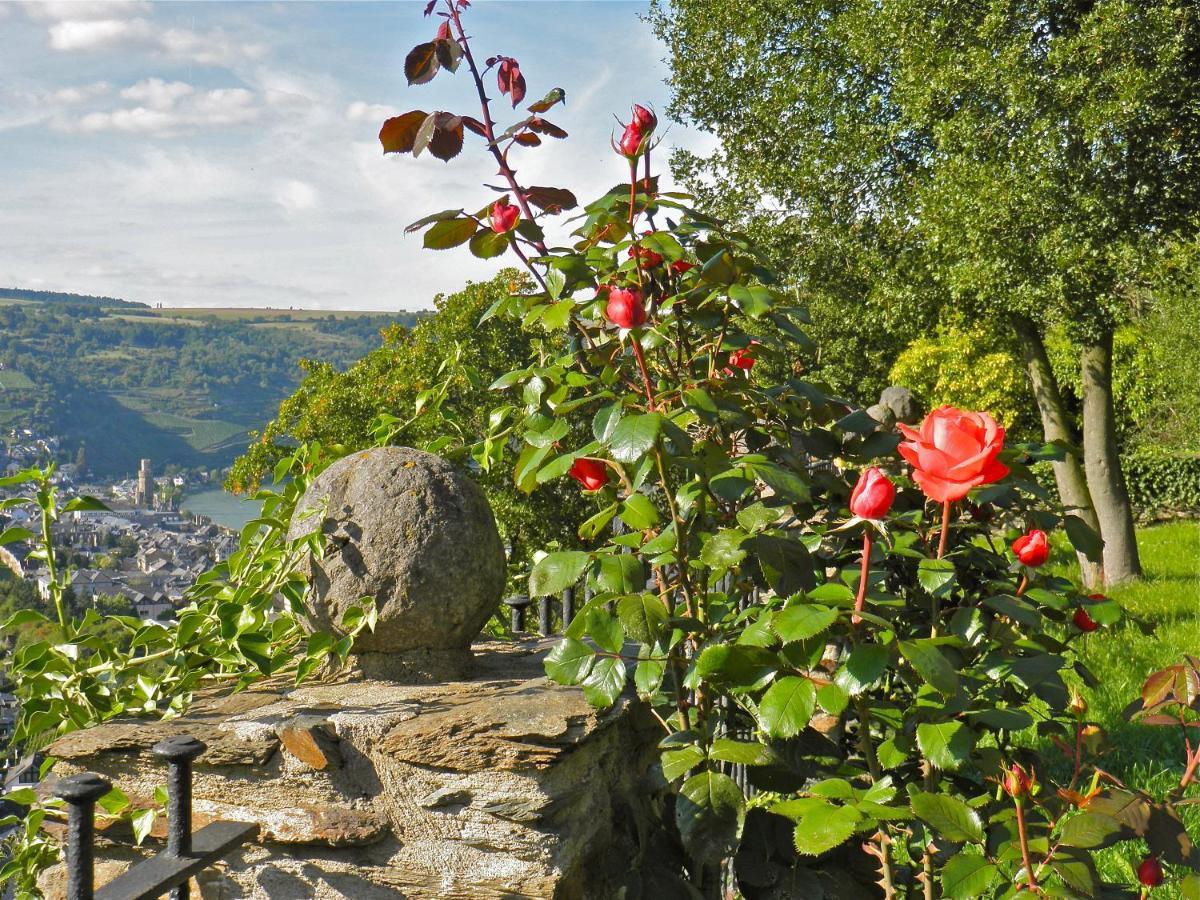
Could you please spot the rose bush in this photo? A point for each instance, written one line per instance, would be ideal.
(868, 670)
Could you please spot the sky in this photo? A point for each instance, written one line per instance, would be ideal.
(226, 154)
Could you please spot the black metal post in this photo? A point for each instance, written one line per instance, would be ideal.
(518, 605)
(544, 616)
(81, 793)
(568, 609)
(179, 752)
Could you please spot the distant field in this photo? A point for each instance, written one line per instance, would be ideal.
(297, 315)
(15, 381)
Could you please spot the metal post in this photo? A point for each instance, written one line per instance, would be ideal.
(179, 752)
(518, 606)
(568, 610)
(81, 793)
(544, 616)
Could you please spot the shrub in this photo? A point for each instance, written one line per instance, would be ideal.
(1163, 482)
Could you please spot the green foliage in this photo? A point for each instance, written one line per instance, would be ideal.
(971, 368)
(1160, 481)
(430, 385)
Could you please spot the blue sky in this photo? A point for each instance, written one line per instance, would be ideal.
(225, 153)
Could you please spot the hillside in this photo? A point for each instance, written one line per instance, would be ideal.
(183, 386)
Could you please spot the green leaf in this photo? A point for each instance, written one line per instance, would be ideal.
(784, 482)
(862, 668)
(643, 616)
(555, 572)
(966, 876)
(945, 744)
(605, 629)
(639, 513)
(14, 534)
(1189, 888)
(824, 827)
(802, 621)
(633, 437)
(1083, 538)
(487, 243)
(1090, 830)
(620, 573)
(648, 676)
(569, 662)
(931, 664)
(723, 550)
(787, 707)
(709, 813)
(739, 666)
(142, 822)
(606, 419)
(832, 699)
(677, 763)
(936, 576)
(449, 233)
(745, 753)
(605, 682)
(948, 816)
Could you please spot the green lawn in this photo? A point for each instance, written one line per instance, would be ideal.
(1169, 598)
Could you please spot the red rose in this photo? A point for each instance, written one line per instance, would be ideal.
(504, 216)
(741, 359)
(631, 140)
(1032, 549)
(1017, 782)
(873, 495)
(591, 473)
(625, 308)
(680, 266)
(954, 451)
(1150, 872)
(1083, 621)
(645, 120)
(649, 258)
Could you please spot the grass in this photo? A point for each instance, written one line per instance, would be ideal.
(11, 380)
(1167, 598)
(298, 315)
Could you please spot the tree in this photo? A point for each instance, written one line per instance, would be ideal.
(1027, 162)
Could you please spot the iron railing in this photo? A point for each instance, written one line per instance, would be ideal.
(168, 871)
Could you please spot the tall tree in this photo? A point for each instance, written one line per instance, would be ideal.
(1025, 159)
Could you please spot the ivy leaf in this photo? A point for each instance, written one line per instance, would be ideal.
(605, 682)
(643, 617)
(449, 233)
(936, 575)
(931, 664)
(142, 822)
(634, 436)
(945, 744)
(966, 876)
(948, 816)
(555, 572)
(787, 707)
(709, 813)
(569, 662)
(824, 827)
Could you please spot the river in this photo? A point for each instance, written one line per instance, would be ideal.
(222, 507)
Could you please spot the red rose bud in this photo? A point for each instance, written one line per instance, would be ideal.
(680, 266)
(504, 216)
(873, 495)
(644, 119)
(1083, 621)
(1018, 783)
(741, 359)
(631, 141)
(625, 308)
(591, 473)
(1032, 549)
(1150, 872)
(649, 258)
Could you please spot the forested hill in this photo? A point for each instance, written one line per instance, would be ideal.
(124, 380)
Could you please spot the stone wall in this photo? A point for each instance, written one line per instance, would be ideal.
(502, 784)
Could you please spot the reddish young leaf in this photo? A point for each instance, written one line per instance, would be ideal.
(510, 80)
(429, 7)
(518, 89)
(474, 125)
(527, 139)
(447, 139)
(443, 32)
(551, 199)
(558, 95)
(421, 64)
(398, 134)
(541, 126)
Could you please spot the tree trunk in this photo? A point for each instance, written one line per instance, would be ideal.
(1056, 426)
(1106, 482)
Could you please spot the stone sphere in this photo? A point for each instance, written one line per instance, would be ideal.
(410, 531)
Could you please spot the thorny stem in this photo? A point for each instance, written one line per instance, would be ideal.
(1031, 880)
(941, 551)
(862, 578)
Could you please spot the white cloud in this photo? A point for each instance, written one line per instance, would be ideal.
(73, 95)
(296, 196)
(175, 176)
(210, 48)
(156, 93)
(81, 9)
(358, 111)
(80, 34)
